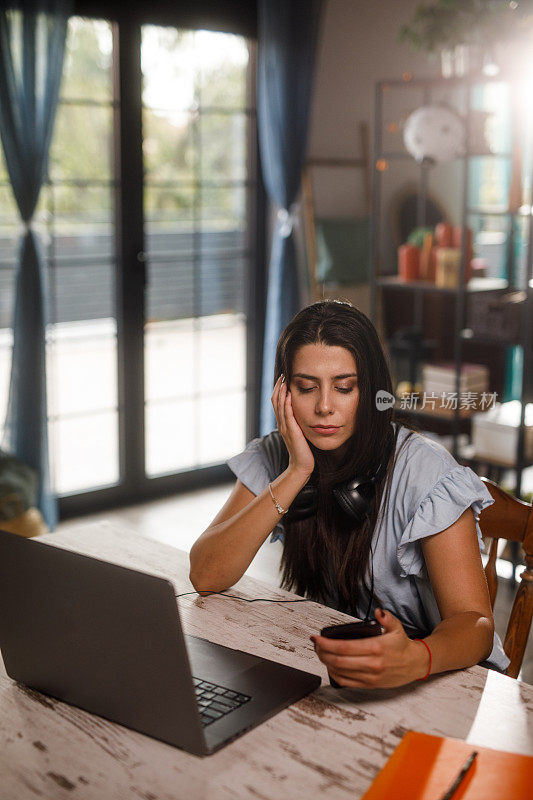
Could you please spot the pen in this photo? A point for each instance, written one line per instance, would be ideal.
(466, 766)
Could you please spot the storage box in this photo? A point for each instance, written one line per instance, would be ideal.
(495, 432)
(441, 378)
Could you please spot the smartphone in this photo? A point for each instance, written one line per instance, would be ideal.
(352, 630)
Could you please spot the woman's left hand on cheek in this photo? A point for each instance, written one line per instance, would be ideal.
(378, 661)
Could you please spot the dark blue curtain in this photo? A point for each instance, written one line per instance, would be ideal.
(287, 37)
(32, 43)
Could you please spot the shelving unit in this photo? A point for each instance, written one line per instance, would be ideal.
(473, 285)
(383, 277)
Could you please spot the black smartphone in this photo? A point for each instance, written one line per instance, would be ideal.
(351, 630)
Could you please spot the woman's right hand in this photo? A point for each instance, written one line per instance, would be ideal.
(301, 458)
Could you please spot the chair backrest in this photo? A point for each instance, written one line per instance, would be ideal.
(511, 519)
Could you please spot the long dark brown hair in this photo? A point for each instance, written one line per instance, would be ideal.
(326, 557)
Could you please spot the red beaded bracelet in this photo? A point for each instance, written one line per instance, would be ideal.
(429, 651)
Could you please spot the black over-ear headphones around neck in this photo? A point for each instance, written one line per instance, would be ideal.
(353, 498)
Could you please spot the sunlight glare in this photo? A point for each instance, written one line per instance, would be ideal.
(171, 58)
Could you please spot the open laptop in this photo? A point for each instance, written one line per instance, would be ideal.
(109, 640)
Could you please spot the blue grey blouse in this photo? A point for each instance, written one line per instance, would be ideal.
(429, 491)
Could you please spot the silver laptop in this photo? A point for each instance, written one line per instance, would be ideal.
(109, 640)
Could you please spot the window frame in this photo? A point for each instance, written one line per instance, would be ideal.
(134, 485)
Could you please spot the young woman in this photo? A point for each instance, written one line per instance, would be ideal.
(373, 517)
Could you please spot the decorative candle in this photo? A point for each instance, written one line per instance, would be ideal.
(408, 262)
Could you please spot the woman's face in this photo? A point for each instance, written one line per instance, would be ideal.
(324, 394)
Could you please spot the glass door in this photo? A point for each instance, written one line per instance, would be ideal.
(76, 217)
(180, 180)
(196, 187)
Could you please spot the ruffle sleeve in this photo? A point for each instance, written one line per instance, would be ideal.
(453, 493)
(258, 464)
(250, 467)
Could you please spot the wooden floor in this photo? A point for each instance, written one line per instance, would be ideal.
(179, 520)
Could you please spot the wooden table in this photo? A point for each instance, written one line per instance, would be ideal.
(332, 742)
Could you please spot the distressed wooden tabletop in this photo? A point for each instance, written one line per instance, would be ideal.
(333, 741)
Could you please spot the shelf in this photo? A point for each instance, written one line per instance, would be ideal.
(459, 81)
(474, 285)
(495, 212)
(463, 313)
(441, 414)
(435, 422)
(468, 452)
(468, 335)
(440, 422)
(398, 156)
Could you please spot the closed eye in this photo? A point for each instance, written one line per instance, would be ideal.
(341, 389)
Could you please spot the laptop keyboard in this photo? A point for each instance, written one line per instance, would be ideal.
(214, 701)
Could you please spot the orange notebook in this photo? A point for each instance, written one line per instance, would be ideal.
(424, 767)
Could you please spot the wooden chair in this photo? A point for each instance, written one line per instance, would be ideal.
(511, 519)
